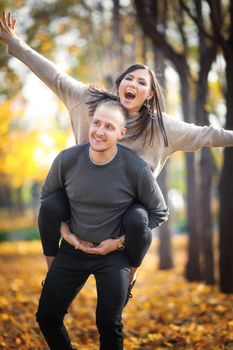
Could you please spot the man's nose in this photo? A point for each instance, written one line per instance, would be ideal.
(100, 130)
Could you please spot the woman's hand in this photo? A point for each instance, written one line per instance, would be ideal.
(7, 27)
(72, 239)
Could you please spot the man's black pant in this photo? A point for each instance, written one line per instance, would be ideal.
(67, 275)
(55, 209)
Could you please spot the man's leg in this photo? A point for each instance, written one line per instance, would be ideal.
(112, 279)
(64, 280)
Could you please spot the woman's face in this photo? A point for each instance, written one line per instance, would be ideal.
(134, 89)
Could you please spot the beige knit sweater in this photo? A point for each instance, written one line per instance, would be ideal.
(181, 136)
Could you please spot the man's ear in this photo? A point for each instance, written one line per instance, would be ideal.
(122, 133)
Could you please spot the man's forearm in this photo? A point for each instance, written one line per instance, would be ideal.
(156, 218)
(49, 260)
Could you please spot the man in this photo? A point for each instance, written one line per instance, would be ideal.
(101, 179)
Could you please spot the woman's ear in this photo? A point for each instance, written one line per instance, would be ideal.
(151, 94)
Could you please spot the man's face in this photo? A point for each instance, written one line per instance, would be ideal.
(106, 129)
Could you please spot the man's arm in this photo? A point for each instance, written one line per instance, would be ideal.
(54, 179)
(49, 260)
(150, 195)
(53, 183)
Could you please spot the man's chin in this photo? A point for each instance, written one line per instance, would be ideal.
(97, 149)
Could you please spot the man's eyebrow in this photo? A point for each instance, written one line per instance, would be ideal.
(110, 123)
(106, 122)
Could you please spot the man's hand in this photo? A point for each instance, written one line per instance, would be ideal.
(7, 27)
(105, 247)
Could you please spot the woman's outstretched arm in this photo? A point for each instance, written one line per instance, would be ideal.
(7, 27)
(189, 137)
(69, 90)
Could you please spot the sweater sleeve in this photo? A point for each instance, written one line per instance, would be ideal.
(50, 233)
(189, 137)
(53, 181)
(150, 195)
(69, 90)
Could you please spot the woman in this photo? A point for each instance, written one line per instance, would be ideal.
(153, 135)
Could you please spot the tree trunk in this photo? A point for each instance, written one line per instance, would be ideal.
(147, 15)
(226, 195)
(206, 236)
(20, 206)
(207, 54)
(165, 246)
(193, 270)
(117, 46)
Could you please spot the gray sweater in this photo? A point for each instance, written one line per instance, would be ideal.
(181, 136)
(100, 194)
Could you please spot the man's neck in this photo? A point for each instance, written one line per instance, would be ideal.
(101, 158)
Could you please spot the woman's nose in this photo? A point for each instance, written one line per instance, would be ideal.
(132, 84)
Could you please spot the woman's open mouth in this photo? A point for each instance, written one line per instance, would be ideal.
(130, 95)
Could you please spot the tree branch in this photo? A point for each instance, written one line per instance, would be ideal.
(150, 29)
(216, 21)
(196, 21)
(180, 24)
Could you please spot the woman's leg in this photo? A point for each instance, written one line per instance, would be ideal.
(53, 210)
(112, 278)
(64, 280)
(138, 235)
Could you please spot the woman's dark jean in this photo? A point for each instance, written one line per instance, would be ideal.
(67, 275)
(55, 208)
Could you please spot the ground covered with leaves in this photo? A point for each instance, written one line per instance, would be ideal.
(166, 311)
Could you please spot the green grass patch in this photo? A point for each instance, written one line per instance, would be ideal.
(29, 234)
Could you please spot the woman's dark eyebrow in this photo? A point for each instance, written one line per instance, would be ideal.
(132, 76)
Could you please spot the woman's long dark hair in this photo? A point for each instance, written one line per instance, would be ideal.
(147, 117)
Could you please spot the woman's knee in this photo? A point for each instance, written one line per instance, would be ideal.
(135, 218)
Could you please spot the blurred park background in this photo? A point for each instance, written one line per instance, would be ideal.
(189, 44)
